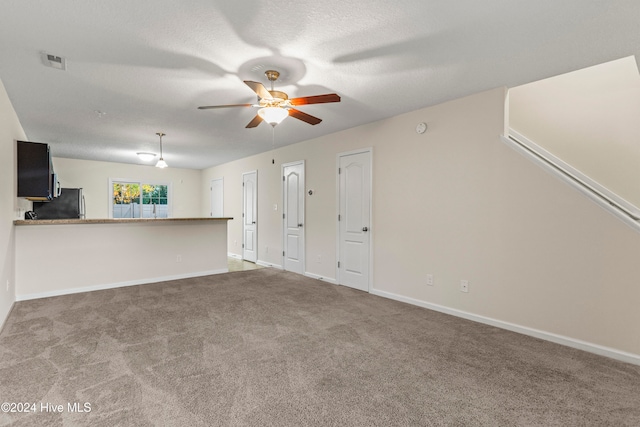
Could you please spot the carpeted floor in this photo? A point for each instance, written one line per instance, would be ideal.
(266, 347)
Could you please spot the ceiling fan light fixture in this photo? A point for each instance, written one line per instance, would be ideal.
(275, 105)
(161, 163)
(145, 157)
(273, 115)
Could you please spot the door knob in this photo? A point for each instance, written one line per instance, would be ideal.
(365, 229)
(300, 225)
(253, 222)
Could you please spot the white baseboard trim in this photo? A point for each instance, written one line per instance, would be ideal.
(324, 279)
(60, 292)
(547, 336)
(268, 264)
(236, 256)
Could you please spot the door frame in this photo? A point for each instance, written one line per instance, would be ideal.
(371, 219)
(256, 216)
(304, 203)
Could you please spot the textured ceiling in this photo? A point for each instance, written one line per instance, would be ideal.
(148, 64)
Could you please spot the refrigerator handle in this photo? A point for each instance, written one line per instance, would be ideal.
(83, 211)
(57, 188)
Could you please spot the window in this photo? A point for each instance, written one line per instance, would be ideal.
(131, 199)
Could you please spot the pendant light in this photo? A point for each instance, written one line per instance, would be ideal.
(161, 163)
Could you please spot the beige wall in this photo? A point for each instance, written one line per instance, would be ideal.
(10, 131)
(459, 204)
(93, 178)
(588, 118)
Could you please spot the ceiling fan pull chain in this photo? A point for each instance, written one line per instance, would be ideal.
(273, 144)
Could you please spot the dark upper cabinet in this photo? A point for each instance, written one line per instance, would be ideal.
(36, 178)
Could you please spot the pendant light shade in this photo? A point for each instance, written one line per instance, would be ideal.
(161, 163)
(273, 115)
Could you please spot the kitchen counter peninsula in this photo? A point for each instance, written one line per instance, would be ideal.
(109, 220)
(65, 256)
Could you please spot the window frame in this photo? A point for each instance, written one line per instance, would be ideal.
(140, 182)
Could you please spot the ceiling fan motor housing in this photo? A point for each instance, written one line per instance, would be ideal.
(277, 96)
(277, 99)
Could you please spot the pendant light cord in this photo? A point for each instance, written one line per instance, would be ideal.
(160, 134)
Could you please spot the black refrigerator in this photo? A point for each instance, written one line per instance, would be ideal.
(69, 205)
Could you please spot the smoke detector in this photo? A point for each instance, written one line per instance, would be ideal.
(53, 61)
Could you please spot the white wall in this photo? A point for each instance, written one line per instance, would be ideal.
(93, 178)
(10, 132)
(459, 204)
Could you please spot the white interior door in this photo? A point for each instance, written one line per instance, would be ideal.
(354, 219)
(250, 216)
(293, 216)
(217, 198)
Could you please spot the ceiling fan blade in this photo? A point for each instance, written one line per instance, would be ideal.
(209, 107)
(255, 122)
(304, 116)
(317, 99)
(259, 89)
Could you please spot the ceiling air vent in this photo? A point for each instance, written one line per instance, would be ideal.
(54, 61)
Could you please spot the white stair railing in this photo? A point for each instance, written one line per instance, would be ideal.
(621, 208)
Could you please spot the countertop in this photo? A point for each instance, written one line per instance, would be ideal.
(110, 221)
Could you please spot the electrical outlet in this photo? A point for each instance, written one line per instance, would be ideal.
(178, 258)
(464, 286)
(429, 279)
(266, 249)
(7, 285)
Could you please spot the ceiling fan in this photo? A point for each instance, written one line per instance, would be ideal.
(275, 106)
